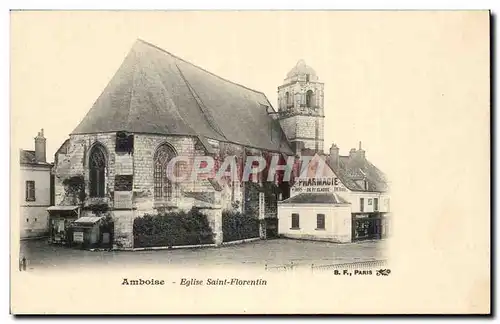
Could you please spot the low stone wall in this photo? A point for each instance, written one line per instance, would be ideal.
(309, 237)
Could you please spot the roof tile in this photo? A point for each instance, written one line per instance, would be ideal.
(156, 92)
(316, 198)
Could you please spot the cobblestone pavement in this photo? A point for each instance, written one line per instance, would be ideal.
(40, 254)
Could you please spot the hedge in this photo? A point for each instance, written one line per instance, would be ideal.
(172, 229)
(237, 226)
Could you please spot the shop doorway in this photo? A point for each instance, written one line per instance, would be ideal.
(366, 227)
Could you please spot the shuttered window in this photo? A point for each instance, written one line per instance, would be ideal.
(295, 221)
(320, 221)
(30, 191)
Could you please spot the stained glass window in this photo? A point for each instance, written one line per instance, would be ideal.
(162, 184)
(97, 166)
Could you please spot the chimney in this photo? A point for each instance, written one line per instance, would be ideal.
(352, 153)
(361, 152)
(334, 155)
(358, 155)
(40, 147)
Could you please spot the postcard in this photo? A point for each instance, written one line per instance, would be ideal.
(250, 162)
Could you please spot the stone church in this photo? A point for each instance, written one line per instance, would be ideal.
(158, 106)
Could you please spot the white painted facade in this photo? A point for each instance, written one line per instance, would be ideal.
(319, 178)
(337, 222)
(34, 215)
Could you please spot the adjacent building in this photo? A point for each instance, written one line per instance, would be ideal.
(353, 190)
(35, 189)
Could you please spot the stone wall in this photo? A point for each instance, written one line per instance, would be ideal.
(214, 216)
(303, 128)
(212, 195)
(74, 163)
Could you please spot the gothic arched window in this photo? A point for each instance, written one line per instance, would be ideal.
(162, 184)
(97, 166)
(309, 98)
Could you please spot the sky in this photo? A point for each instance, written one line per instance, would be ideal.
(382, 70)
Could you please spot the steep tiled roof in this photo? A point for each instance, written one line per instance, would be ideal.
(353, 173)
(156, 92)
(316, 198)
(27, 157)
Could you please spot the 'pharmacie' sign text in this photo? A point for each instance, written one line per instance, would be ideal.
(318, 185)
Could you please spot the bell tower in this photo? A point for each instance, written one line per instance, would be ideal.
(301, 113)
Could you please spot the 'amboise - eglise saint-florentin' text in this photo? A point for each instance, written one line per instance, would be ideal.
(222, 282)
(198, 282)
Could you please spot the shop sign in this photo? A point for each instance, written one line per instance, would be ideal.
(78, 237)
(123, 182)
(123, 199)
(318, 185)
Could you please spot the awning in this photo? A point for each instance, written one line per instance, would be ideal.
(65, 209)
(86, 221)
(316, 198)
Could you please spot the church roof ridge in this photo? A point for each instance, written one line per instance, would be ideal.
(156, 92)
(197, 66)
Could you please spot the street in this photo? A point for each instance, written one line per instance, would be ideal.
(40, 255)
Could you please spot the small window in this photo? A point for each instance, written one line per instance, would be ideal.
(370, 202)
(35, 219)
(361, 204)
(375, 204)
(295, 221)
(30, 191)
(309, 98)
(307, 77)
(27, 220)
(320, 221)
(288, 100)
(124, 142)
